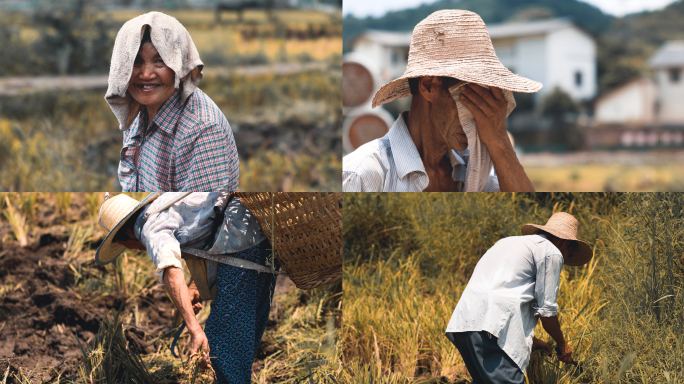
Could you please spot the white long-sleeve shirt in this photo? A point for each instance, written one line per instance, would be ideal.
(188, 223)
(514, 283)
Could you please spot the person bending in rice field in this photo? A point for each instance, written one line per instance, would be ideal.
(513, 284)
(219, 223)
(175, 138)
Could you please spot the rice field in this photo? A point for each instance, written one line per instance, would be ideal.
(407, 258)
(64, 319)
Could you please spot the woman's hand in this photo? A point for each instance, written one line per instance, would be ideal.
(174, 282)
(194, 297)
(200, 344)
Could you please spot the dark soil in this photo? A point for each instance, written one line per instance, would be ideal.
(41, 319)
(42, 314)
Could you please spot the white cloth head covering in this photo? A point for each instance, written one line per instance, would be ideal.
(480, 163)
(175, 46)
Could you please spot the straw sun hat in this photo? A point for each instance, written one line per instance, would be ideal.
(564, 226)
(113, 215)
(454, 43)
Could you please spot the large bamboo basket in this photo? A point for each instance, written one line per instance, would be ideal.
(308, 232)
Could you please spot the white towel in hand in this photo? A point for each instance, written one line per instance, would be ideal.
(480, 163)
(175, 46)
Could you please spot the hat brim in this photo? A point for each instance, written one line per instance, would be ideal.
(483, 73)
(581, 257)
(108, 251)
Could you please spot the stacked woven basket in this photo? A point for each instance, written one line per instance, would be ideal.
(306, 231)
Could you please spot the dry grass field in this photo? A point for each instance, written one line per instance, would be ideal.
(613, 177)
(408, 258)
(606, 171)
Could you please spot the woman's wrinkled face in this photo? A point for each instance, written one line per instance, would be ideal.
(152, 82)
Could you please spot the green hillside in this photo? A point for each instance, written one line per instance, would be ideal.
(491, 11)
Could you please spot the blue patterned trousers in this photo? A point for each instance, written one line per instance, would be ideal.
(238, 316)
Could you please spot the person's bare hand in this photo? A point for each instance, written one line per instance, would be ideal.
(194, 297)
(564, 353)
(489, 108)
(540, 344)
(200, 344)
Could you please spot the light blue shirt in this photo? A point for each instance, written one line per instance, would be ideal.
(514, 283)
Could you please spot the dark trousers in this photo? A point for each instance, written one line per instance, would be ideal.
(238, 316)
(487, 363)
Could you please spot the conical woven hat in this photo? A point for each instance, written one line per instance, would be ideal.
(454, 43)
(113, 215)
(564, 226)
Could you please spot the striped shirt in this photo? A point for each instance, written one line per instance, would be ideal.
(392, 164)
(186, 148)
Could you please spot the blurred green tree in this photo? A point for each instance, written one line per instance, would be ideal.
(75, 38)
(562, 110)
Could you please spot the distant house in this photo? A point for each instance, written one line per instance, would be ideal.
(647, 111)
(668, 67)
(632, 104)
(555, 52)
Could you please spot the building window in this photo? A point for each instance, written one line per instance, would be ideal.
(578, 79)
(674, 75)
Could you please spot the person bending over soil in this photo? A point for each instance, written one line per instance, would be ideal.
(221, 225)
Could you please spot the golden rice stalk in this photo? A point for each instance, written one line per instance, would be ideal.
(78, 238)
(63, 204)
(93, 204)
(18, 223)
(625, 365)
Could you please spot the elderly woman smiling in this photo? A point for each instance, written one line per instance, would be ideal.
(175, 137)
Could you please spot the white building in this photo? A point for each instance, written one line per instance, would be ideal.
(647, 111)
(632, 104)
(555, 52)
(656, 101)
(668, 67)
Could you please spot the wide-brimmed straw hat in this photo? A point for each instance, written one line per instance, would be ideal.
(113, 215)
(454, 43)
(564, 226)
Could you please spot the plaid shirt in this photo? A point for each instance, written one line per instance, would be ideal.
(185, 148)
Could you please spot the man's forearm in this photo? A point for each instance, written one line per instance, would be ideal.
(174, 282)
(552, 327)
(511, 174)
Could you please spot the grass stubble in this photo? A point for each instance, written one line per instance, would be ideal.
(407, 259)
(301, 342)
